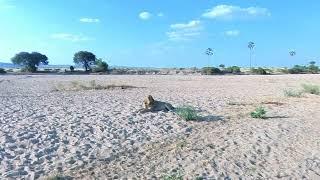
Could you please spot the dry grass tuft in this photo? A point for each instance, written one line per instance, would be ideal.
(311, 89)
(91, 85)
(292, 93)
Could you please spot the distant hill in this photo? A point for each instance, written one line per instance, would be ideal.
(10, 65)
(7, 65)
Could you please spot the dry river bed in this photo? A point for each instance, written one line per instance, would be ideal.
(46, 130)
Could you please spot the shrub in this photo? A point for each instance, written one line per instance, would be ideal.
(58, 177)
(284, 70)
(259, 71)
(222, 66)
(210, 71)
(313, 69)
(2, 71)
(173, 176)
(259, 113)
(297, 69)
(311, 89)
(233, 69)
(292, 93)
(187, 113)
(71, 68)
(268, 71)
(101, 66)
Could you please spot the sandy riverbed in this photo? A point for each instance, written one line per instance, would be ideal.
(97, 133)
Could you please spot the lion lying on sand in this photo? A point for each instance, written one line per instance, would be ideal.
(151, 105)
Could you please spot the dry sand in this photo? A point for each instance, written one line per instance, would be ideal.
(98, 134)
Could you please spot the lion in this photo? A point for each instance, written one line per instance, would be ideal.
(151, 105)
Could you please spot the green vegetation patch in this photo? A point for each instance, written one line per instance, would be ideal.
(210, 71)
(259, 113)
(2, 71)
(173, 176)
(187, 113)
(311, 89)
(259, 71)
(292, 93)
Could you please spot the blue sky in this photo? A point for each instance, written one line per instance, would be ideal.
(166, 33)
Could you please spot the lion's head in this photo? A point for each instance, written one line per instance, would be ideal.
(148, 102)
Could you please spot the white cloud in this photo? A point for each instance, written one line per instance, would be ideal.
(181, 35)
(145, 15)
(70, 37)
(185, 31)
(228, 12)
(160, 14)
(89, 20)
(232, 33)
(191, 24)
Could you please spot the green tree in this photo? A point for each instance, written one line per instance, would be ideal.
(30, 61)
(312, 62)
(313, 68)
(222, 66)
(84, 58)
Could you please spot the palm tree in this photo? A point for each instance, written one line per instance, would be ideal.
(292, 53)
(209, 53)
(251, 46)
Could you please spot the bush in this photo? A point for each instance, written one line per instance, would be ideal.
(210, 71)
(2, 71)
(173, 176)
(268, 71)
(292, 93)
(297, 69)
(101, 66)
(71, 68)
(259, 113)
(233, 69)
(284, 70)
(259, 71)
(311, 89)
(313, 69)
(187, 113)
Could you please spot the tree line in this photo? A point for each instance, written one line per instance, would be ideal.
(31, 62)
